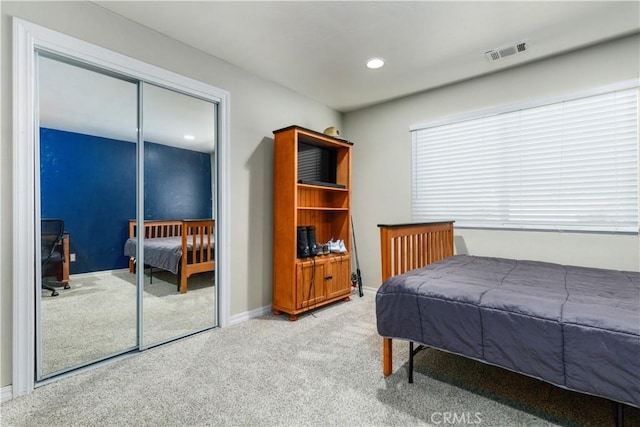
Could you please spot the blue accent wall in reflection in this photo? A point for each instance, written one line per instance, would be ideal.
(177, 183)
(90, 182)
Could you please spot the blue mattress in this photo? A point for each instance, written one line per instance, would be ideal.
(575, 327)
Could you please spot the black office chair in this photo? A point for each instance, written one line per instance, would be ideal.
(52, 253)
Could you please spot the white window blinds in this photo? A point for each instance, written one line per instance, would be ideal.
(570, 165)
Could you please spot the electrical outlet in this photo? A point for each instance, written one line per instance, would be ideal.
(72, 257)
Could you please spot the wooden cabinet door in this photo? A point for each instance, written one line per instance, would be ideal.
(310, 284)
(338, 279)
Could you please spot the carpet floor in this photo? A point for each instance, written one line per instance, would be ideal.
(97, 316)
(323, 370)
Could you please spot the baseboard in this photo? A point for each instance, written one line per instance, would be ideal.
(368, 290)
(6, 393)
(247, 315)
(242, 317)
(98, 273)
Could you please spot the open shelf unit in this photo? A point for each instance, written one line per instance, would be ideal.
(302, 284)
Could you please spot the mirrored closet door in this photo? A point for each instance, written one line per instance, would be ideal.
(103, 289)
(179, 177)
(87, 150)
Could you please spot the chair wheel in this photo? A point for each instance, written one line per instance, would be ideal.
(54, 293)
(67, 286)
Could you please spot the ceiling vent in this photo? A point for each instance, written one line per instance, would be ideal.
(505, 51)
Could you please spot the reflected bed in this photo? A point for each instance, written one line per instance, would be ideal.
(165, 243)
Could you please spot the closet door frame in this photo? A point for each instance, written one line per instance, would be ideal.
(28, 39)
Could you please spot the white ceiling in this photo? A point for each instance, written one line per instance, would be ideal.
(76, 99)
(318, 49)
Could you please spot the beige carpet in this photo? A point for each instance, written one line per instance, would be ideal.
(323, 370)
(97, 317)
(528, 394)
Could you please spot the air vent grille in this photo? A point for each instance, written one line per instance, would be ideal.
(505, 51)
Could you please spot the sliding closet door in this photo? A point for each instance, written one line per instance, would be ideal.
(98, 293)
(86, 303)
(179, 295)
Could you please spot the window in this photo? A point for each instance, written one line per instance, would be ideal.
(568, 165)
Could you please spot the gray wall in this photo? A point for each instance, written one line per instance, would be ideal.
(382, 158)
(257, 108)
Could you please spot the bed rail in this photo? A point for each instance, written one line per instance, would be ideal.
(406, 247)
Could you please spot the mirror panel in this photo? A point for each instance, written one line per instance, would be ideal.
(87, 171)
(179, 295)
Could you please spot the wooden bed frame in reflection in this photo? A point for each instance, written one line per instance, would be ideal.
(197, 244)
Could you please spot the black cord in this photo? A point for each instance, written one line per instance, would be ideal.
(309, 293)
(313, 274)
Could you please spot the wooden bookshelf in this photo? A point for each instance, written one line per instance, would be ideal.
(303, 284)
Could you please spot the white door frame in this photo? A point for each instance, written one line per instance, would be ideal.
(27, 39)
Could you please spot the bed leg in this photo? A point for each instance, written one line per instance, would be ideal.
(387, 356)
(410, 362)
(412, 352)
(619, 414)
(183, 283)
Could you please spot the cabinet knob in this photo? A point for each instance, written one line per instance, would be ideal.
(329, 277)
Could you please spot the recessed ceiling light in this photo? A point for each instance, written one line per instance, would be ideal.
(189, 137)
(374, 63)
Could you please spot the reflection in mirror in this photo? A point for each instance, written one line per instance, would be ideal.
(87, 159)
(179, 213)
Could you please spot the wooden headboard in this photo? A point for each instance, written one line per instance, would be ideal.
(406, 247)
(157, 228)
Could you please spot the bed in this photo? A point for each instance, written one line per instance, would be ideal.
(183, 247)
(575, 327)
